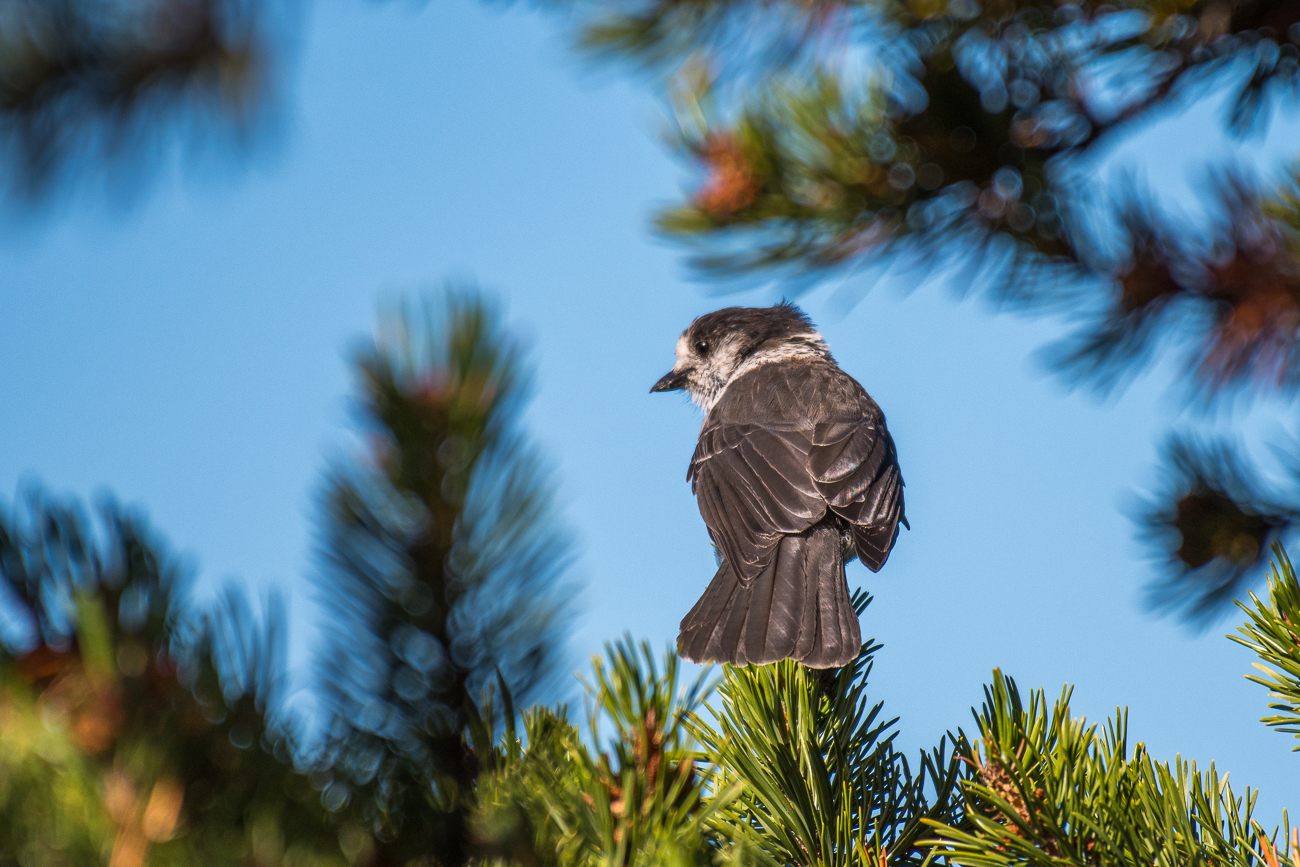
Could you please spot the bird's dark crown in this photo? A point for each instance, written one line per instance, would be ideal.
(758, 325)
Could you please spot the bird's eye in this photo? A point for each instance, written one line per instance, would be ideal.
(702, 347)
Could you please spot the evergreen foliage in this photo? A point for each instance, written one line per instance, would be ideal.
(818, 776)
(1272, 633)
(1217, 521)
(104, 79)
(1050, 788)
(131, 734)
(442, 568)
(629, 792)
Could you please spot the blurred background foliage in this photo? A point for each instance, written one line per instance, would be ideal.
(106, 82)
(442, 571)
(140, 731)
(132, 734)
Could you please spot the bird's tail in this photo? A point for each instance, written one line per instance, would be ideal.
(797, 608)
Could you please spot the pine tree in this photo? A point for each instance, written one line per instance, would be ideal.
(789, 766)
(139, 731)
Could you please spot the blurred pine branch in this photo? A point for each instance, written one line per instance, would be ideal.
(443, 569)
(105, 81)
(132, 734)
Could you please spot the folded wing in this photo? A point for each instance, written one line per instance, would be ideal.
(753, 487)
(794, 457)
(854, 465)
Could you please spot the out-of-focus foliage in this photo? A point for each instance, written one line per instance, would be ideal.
(1230, 305)
(1051, 789)
(142, 736)
(1217, 522)
(104, 79)
(442, 567)
(123, 745)
(815, 767)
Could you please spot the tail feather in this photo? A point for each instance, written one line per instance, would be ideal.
(758, 617)
(775, 608)
(841, 636)
(797, 608)
(727, 640)
(699, 627)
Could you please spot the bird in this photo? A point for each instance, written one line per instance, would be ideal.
(795, 474)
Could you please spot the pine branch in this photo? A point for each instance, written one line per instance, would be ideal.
(638, 800)
(955, 137)
(443, 566)
(1273, 634)
(1050, 789)
(819, 779)
(1214, 522)
(98, 81)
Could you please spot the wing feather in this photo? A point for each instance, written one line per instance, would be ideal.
(753, 488)
(777, 452)
(855, 466)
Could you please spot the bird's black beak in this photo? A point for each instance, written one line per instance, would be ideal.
(673, 380)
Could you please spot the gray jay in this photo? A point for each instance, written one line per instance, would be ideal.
(794, 474)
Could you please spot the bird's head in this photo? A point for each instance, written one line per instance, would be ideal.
(722, 345)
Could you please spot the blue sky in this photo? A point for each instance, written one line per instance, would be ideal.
(188, 353)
